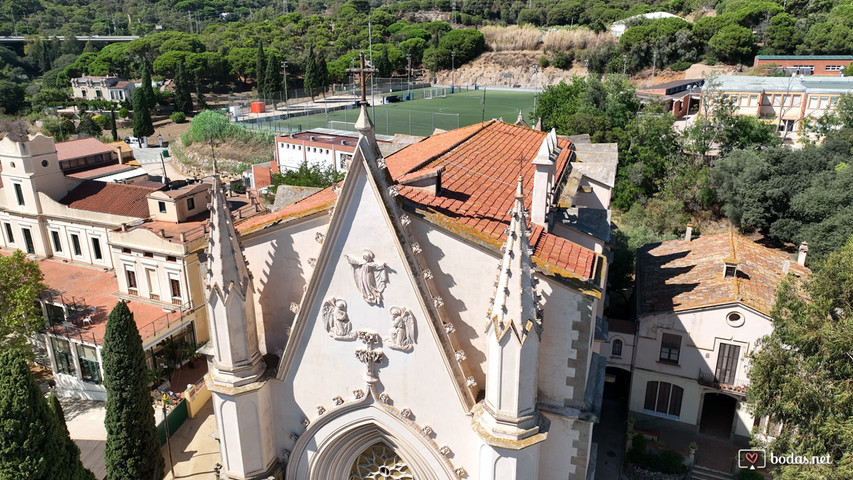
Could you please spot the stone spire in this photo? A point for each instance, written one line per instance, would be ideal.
(230, 306)
(515, 299)
(508, 416)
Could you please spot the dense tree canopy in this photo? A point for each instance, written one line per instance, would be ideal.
(802, 375)
(21, 282)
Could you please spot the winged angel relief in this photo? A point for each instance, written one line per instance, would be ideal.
(403, 329)
(370, 277)
(336, 319)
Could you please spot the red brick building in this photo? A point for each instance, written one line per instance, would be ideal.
(821, 65)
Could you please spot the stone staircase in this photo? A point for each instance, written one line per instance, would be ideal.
(703, 473)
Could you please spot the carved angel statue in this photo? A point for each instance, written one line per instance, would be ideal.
(336, 320)
(403, 331)
(370, 277)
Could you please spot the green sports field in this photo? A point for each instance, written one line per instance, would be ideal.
(421, 116)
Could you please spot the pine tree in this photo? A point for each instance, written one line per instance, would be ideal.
(132, 450)
(89, 47)
(272, 79)
(113, 124)
(323, 72)
(260, 69)
(27, 427)
(67, 457)
(183, 99)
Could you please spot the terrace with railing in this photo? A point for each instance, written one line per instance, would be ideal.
(736, 386)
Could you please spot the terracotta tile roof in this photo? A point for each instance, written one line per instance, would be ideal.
(83, 147)
(96, 289)
(317, 202)
(481, 165)
(112, 198)
(681, 275)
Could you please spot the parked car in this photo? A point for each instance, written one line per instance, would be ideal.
(130, 139)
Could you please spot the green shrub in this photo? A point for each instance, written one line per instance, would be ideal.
(543, 61)
(669, 461)
(563, 60)
(749, 475)
(178, 117)
(680, 65)
(124, 112)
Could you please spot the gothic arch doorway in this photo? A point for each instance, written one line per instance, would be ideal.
(380, 462)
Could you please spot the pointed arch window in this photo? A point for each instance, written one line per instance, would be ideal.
(616, 348)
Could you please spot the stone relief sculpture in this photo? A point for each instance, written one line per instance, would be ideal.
(336, 320)
(403, 329)
(370, 277)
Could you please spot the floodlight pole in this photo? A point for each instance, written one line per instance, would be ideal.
(452, 69)
(408, 77)
(286, 107)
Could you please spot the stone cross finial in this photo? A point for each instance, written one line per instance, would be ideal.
(363, 74)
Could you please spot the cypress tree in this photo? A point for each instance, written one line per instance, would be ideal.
(260, 69)
(312, 74)
(27, 427)
(199, 96)
(322, 72)
(132, 450)
(142, 124)
(272, 79)
(183, 99)
(146, 89)
(67, 456)
(113, 124)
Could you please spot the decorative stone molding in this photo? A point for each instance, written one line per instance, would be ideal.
(338, 400)
(449, 328)
(321, 409)
(427, 274)
(460, 472)
(380, 162)
(285, 455)
(416, 247)
(393, 191)
(370, 358)
(405, 220)
(403, 330)
(406, 413)
(370, 277)
(427, 430)
(294, 307)
(294, 437)
(358, 394)
(336, 320)
(312, 262)
(460, 355)
(445, 450)
(470, 382)
(319, 237)
(369, 338)
(306, 422)
(438, 302)
(384, 398)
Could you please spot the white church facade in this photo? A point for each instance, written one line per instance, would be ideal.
(422, 320)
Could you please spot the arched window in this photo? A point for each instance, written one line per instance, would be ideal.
(379, 461)
(616, 348)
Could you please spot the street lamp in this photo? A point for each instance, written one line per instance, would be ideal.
(452, 69)
(408, 77)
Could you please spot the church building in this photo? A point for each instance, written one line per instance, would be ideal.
(432, 317)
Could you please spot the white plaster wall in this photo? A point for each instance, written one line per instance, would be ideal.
(560, 448)
(690, 400)
(278, 259)
(324, 368)
(164, 270)
(86, 235)
(702, 331)
(19, 223)
(624, 360)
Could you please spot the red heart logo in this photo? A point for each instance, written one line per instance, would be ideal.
(751, 457)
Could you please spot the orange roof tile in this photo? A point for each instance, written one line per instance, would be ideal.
(83, 147)
(314, 203)
(112, 198)
(680, 275)
(482, 163)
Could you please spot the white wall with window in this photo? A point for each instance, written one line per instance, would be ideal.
(78, 242)
(23, 233)
(77, 366)
(153, 275)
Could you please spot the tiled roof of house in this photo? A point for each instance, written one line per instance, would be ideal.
(112, 198)
(101, 171)
(481, 164)
(83, 147)
(682, 275)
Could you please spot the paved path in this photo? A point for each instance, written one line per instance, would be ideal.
(85, 421)
(195, 449)
(609, 433)
(149, 159)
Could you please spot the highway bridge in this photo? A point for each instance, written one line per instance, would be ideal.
(82, 38)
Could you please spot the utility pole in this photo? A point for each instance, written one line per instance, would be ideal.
(286, 107)
(452, 70)
(409, 77)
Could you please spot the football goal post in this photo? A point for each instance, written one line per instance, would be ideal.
(435, 93)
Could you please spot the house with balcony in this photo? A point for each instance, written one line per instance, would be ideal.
(702, 305)
(107, 88)
(99, 243)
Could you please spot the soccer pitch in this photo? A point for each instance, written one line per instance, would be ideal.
(421, 116)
